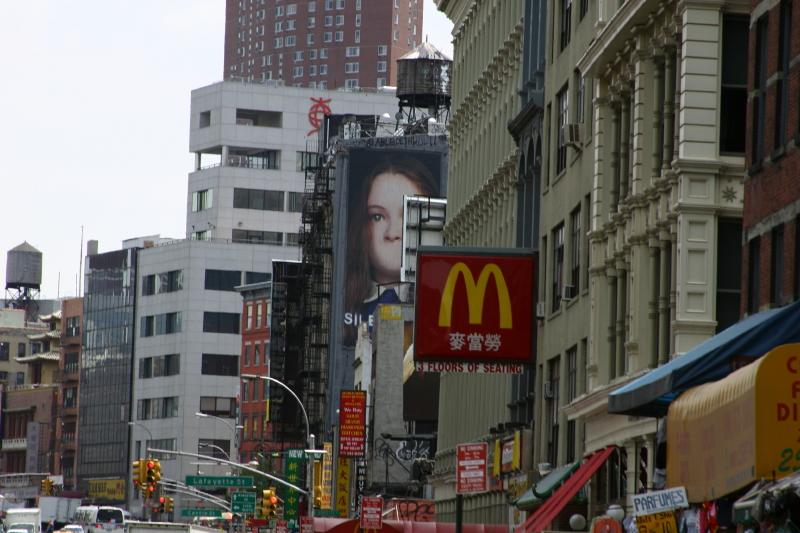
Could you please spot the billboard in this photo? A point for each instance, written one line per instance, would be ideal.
(475, 305)
(352, 423)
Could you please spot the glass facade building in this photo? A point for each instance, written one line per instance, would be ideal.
(106, 365)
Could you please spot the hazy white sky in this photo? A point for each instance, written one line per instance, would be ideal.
(94, 120)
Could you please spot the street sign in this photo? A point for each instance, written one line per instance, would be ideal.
(471, 460)
(214, 513)
(659, 501)
(220, 481)
(306, 524)
(371, 512)
(282, 526)
(243, 502)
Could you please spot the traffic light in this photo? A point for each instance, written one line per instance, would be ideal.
(162, 503)
(318, 496)
(152, 476)
(269, 503)
(138, 474)
(47, 486)
(169, 505)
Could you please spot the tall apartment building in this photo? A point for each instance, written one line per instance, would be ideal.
(771, 222)
(481, 211)
(251, 144)
(323, 44)
(69, 383)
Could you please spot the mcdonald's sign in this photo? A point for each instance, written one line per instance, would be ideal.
(474, 305)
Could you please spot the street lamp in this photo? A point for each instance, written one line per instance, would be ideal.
(310, 441)
(209, 445)
(137, 424)
(232, 427)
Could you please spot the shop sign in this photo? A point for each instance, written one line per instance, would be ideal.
(658, 501)
(327, 475)
(474, 306)
(371, 512)
(107, 489)
(281, 526)
(663, 522)
(306, 524)
(471, 461)
(352, 423)
(343, 487)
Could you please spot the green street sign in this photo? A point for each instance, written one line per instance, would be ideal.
(220, 481)
(214, 513)
(243, 502)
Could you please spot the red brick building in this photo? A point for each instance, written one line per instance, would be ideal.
(320, 43)
(253, 404)
(771, 222)
(68, 382)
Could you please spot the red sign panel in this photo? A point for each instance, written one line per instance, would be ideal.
(306, 524)
(371, 513)
(471, 460)
(352, 423)
(281, 526)
(475, 306)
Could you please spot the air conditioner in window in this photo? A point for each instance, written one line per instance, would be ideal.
(547, 390)
(570, 135)
(540, 310)
(568, 293)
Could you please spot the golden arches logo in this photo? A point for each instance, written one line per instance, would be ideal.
(475, 294)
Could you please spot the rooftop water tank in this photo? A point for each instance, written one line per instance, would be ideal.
(423, 77)
(23, 267)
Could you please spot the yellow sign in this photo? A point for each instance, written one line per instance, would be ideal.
(726, 434)
(107, 489)
(390, 312)
(475, 294)
(327, 476)
(343, 487)
(657, 523)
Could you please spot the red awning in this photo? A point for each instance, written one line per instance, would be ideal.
(540, 520)
(344, 525)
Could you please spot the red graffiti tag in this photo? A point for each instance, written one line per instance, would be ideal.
(316, 112)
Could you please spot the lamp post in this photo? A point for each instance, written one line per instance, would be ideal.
(214, 446)
(232, 427)
(137, 424)
(310, 440)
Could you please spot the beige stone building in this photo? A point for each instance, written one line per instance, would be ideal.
(482, 201)
(667, 144)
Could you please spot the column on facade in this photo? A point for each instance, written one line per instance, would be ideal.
(622, 298)
(631, 466)
(657, 64)
(615, 154)
(673, 286)
(225, 155)
(663, 298)
(624, 142)
(611, 275)
(669, 108)
(655, 277)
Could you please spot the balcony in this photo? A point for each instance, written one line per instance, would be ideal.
(15, 445)
(69, 409)
(67, 442)
(68, 373)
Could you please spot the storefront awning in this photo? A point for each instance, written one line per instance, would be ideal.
(544, 515)
(651, 394)
(542, 489)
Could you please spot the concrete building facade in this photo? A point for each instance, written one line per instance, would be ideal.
(323, 44)
(771, 222)
(667, 143)
(481, 209)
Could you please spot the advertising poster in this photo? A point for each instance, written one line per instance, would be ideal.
(352, 423)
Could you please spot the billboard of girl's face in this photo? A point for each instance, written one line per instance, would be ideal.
(378, 179)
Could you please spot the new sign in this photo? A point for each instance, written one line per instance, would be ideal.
(371, 513)
(474, 305)
(352, 423)
(471, 461)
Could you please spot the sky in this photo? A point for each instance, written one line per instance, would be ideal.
(94, 120)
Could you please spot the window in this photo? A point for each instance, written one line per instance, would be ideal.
(205, 119)
(381, 66)
(218, 322)
(279, 11)
(328, 5)
(21, 345)
(312, 54)
(776, 266)
(339, 37)
(161, 283)
(73, 329)
(279, 26)
(351, 68)
(257, 237)
(246, 355)
(759, 91)
(159, 366)
(323, 70)
(256, 354)
(168, 323)
(150, 408)
(202, 200)
(733, 93)
(340, 20)
(305, 160)
(729, 271)
(558, 266)
(290, 40)
(257, 277)
(351, 84)
(357, 36)
(327, 37)
(572, 393)
(328, 21)
(200, 235)
(580, 92)
(358, 4)
(259, 314)
(562, 101)
(312, 7)
(753, 278)
(782, 81)
(295, 202)
(339, 4)
(292, 239)
(312, 22)
(381, 82)
(310, 39)
(5, 349)
(258, 199)
(222, 280)
(278, 42)
(297, 72)
(358, 20)
(566, 22)
(383, 50)
(147, 327)
(583, 9)
(291, 9)
(219, 365)
(323, 53)
(298, 55)
(575, 248)
(218, 406)
(552, 409)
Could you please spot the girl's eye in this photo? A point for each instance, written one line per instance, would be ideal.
(376, 217)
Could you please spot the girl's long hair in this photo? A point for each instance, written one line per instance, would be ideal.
(358, 277)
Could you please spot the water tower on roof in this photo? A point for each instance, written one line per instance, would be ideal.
(423, 86)
(24, 279)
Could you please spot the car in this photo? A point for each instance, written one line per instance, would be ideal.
(73, 528)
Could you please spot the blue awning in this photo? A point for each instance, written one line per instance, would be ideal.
(651, 394)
